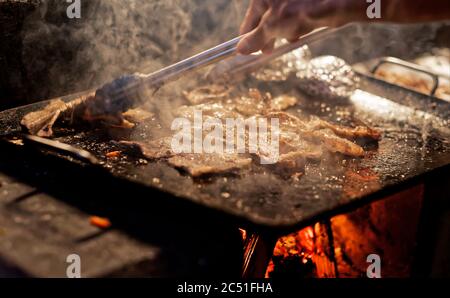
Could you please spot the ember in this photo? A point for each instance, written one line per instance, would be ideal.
(100, 222)
(113, 154)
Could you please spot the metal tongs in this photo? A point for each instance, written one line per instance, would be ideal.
(132, 86)
(226, 50)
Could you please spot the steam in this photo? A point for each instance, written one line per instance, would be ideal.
(117, 37)
(362, 42)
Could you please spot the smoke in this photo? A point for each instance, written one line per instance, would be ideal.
(116, 37)
(359, 42)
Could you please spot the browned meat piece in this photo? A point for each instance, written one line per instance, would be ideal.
(105, 105)
(157, 149)
(293, 158)
(294, 131)
(195, 164)
(288, 121)
(137, 116)
(222, 105)
(297, 147)
(41, 122)
(206, 93)
(216, 110)
(334, 143)
(347, 132)
(291, 165)
(314, 153)
(253, 103)
(206, 164)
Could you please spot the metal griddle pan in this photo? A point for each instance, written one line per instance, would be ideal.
(415, 143)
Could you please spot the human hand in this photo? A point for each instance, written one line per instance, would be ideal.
(267, 20)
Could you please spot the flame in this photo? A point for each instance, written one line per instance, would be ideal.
(243, 234)
(303, 248)
(339, 248)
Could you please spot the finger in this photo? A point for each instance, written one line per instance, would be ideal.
(268, 48)
(298, 18)
(253, 16)
(258, 38)
(300, 28)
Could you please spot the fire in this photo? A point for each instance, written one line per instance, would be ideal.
(302, 252)
(339, 247)
(243, 234)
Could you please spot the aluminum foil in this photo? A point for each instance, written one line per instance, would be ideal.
(327, 77)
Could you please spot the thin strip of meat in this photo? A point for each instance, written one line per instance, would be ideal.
(215, 109)
(348, 132)
(41, 122)
(153, 150)
(206, 93)
(104, 105)
(334, 143)
(206, 164)
(252, 103)
(294, 129)
(137, 115)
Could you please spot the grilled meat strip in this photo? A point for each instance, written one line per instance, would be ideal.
(206, 93)
(41, 122)
(348, 132)
(294, 130)
(105, 105)
(251, 104)
(153, 150)
(300, 140)
(206, 164)
(195, 164)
